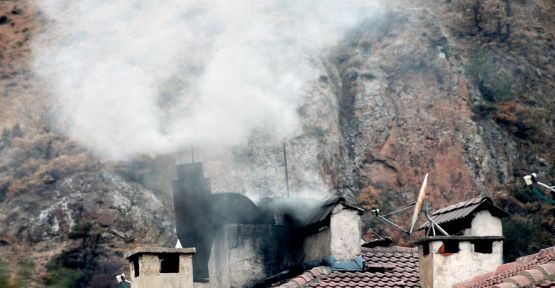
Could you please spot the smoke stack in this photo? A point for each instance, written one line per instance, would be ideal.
(191, 200)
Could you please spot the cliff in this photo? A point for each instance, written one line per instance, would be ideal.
(459, 89)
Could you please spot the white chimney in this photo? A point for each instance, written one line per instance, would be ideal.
(335, 231)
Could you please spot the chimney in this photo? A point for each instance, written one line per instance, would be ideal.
(191, 197)
(476, 247)
(446, 260)
(334, 233)
(158, 267)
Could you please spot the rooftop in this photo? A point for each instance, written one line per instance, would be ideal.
(321, 215)
(384, 267)
(460, 211)
(536, 270)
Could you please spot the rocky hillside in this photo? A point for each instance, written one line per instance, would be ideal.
(459, 89)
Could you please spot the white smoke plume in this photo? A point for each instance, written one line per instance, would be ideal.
(135, 77)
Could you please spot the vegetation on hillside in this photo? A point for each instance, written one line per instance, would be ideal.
(509, 61)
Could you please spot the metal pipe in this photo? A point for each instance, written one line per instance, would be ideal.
(387, 221)
(550, 188)
(399, 210)
(434, 224)
(286, 173)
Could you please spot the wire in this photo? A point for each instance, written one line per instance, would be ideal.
(399, 210)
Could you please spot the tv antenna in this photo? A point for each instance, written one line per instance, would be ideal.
(532, 180)
(418, 205)
(286, 172)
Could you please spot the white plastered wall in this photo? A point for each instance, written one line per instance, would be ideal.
(444, 270)
(484, 224)
(345, 228)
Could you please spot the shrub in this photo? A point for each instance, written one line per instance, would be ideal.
(492, 79)
(21, 277)
(80, 230)
(6, 135)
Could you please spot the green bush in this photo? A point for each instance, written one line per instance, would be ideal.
(61, 277)
(6, 136)
(492, 79)
(4, 275)
(23, 275)
(80, 230)
(74, 267)
(521, 236)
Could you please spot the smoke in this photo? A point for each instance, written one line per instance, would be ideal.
(133, 77)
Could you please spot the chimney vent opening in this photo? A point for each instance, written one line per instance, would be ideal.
(169, 263)
(136, 266)
(484, 247)
(449, 247)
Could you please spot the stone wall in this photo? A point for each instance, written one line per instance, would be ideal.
(317, 246)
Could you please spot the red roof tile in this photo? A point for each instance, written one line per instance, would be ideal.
(386, 267)
(526, 271)
(547, 284)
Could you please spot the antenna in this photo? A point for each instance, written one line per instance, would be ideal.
(419, 202)
(417, 209)
(433, 224)
(192, 154)
(533, 179)
(286, 174)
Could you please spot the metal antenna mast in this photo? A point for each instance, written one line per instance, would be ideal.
(286, 173)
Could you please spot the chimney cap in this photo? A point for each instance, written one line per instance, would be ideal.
(462, 210)
(321, 215)
(458, 239)
(158, 250)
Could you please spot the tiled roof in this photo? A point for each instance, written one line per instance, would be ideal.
(536, 270)
(384, 267)
(321, 214)
(463, 209)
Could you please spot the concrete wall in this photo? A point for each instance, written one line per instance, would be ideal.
(150, 276)
(244, 254)
(439, 269)
(484, 224)
(345, 227)
(317, 246)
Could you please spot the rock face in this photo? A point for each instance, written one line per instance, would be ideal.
(407, 94)
(404, 111)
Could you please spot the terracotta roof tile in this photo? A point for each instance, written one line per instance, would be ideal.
(535, 274)
(504, 285)
(526, 271)
(549, 268)
(387, 267)
(546, 284)
(521, 280)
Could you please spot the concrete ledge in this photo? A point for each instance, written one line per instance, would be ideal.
(158, 250)
(457, 238)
